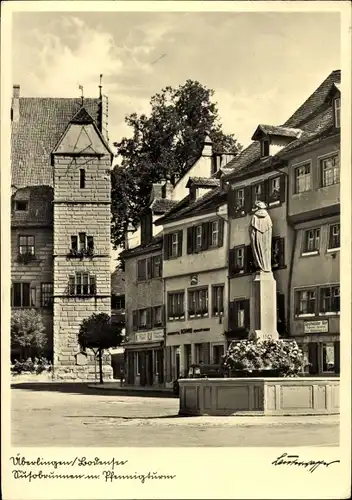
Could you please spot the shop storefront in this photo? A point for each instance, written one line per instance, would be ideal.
(145, 359)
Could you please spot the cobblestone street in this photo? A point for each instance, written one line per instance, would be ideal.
(75, 415)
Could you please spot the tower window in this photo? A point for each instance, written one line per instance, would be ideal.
(82, 178)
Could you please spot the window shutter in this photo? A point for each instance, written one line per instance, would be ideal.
(92, 285)
(231, 202)
(337, 356)
(149, 317)
(231, 261)
(266, 191)
(135, 320)
(221, 232)
(248, 259)
(205, 236)
(231, 325)
(246, 313)
(166, 246)
(282, 188)
(282, 252)
(163, 315)
(180, 243)
(189, 240)
(248, 199)
(149, 268)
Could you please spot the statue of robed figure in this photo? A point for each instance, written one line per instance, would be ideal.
(260, 231)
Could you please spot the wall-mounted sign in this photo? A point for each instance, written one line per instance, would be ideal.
(193, 280)
(153, 336)
(320, 326)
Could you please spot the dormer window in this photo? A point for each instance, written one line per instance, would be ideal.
(264, 148)
(21, 205)
(337, 112)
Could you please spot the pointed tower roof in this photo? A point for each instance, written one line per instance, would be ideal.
(207, 140)
(82, 117)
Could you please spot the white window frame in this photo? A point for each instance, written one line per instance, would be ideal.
(331, 156)
(333, 289)
(199, 235)
(331, 226)
(217, 297)
(307, 291)
(215, 233)
(315, 251)
(239, 258)
(174, 245)
(298, 173)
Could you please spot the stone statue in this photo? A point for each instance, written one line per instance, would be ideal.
(260, 232)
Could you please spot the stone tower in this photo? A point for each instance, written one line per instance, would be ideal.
(81, 210)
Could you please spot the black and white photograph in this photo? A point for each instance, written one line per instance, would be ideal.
(174, 267)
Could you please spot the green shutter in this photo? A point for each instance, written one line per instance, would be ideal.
(180, 243)
(282, 188)
(221, 233)
(247, 199)
(190, 240)
(166, 246)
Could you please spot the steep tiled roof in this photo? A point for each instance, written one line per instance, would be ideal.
(162, 205)
(203, 182)
(155, 244)
(314, 118)
(39, 207)
(205, 203)
(41, 123)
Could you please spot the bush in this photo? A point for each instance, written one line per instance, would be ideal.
(37, 366)
(283, 356)
(27, 332)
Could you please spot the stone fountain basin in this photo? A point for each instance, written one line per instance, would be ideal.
(260, 396)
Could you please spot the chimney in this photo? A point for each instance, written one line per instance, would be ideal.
(157, 191)
(15, 109)
(167, 190)
(207, 147)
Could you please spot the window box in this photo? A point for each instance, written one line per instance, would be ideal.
(26, 258)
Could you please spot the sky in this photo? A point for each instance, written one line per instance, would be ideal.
(262, 66)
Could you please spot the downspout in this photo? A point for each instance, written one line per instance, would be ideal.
(227, 221)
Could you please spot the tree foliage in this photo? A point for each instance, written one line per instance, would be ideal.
(162, 147)
(27, 331)
(97, 333)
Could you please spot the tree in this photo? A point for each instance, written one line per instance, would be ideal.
(27, 332)
(97, 333)
(162, 147)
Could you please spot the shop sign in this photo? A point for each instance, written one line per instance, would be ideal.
(153, 336)
(321, 326)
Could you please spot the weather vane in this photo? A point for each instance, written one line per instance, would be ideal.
(82, 96)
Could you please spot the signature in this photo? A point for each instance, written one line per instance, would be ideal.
(310, 465)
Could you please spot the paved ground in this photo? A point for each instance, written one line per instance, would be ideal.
(76, 415)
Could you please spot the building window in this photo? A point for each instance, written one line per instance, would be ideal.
(237, 260)
(264, 148)
(214, 233)
(306, 302)
(142, 318)
(176, 305)
(82, 178)
(258, 193)
(330, 170)
(218, 352)
(274, 190)
(149, 268)
(198, 302)
(334, 237)
(278, 253)
(26, 245)
(82, 283)
(198, 238)
(156, 266)
(118, 302)
(82, 244)
(302, 179)
(157, 316)
(21, 205)
(329, 300)
(218, 300)
(22, 295)
(311, 244)
(328, 357)
(173, 245)
(47, 294)
(337, 112)
(239, 314)
(239, 199)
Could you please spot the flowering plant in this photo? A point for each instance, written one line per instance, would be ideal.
(282, 356)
